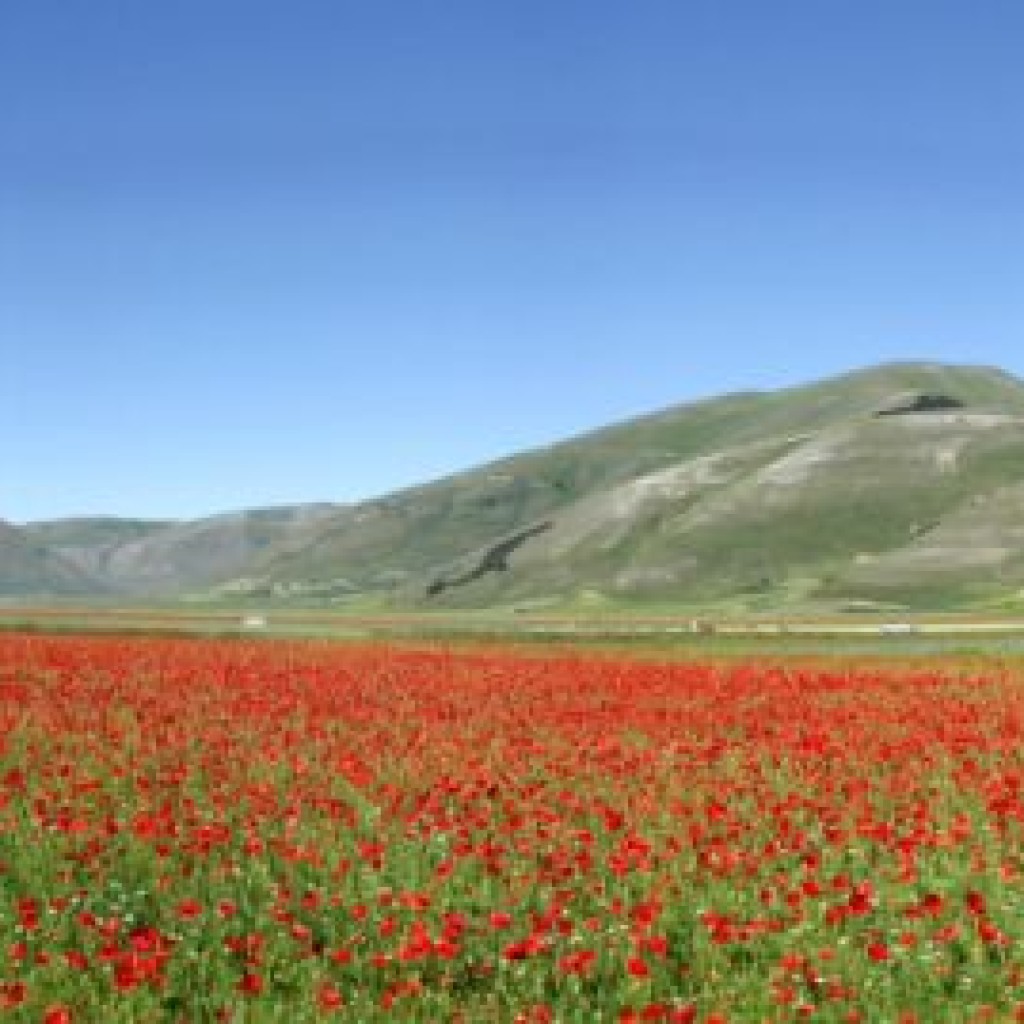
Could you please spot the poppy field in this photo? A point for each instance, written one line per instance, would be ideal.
(246, 831)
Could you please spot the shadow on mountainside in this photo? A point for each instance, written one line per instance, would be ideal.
(494, 559)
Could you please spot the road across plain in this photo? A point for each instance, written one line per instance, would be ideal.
(324, 622)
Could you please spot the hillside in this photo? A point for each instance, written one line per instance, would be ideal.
(901, 484)
(28, 567)
(791, 496)
(142, 558)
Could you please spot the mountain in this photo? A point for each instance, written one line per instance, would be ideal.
(854, 488)
(901, 484)
(143, 558)
(28, 567)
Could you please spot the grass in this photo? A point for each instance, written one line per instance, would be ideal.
(654, 630)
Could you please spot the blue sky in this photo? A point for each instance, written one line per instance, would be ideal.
(258, 252)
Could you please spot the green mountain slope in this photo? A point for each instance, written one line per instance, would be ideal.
(759, 497)
(849, 511)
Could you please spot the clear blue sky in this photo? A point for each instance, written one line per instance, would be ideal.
(257, 252)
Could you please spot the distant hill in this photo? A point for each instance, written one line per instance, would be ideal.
(163, 559)
(901, 484)
(28, 567)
